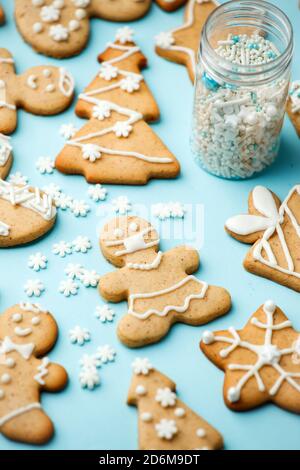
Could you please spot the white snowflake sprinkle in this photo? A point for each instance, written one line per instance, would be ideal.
(102, 110)
(62, 248)
(63, 201)
(34, 287)
(106, 353)
(108, 72)
(169, 209)
(18, 178)
(90, 361)
(166, 428)
(165, 397)
(130, 83)
(91, 152)
(74, 271)
(124, 34)
(80, 208)
(58, 32)
(37, 261)
(89, 378)
(141, 365)
(68, 287)
(177, 209)
(164, 40)
(97, 192)
(121, 204)
(81, 244)
(104, 313)
(67, 131)
(45, 165)
(53, 190)
(89, 278)
(79, 335)
(122, 129)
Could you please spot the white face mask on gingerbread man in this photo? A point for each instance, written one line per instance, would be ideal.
(40, 90)
(159, 287)
(27, 333)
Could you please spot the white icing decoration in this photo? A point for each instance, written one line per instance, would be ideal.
(49, 14)
(42, 371)
(47, 73)
(165, 397)
(37, 28)
(5, 149)
(7, 345)
(167, 308)
(268, 354)
(19, 331)
(5, 379)
(50, 88)
(10, 362)
(59, 33)
(30, 307)
(18, 412)
(32, 82)
(4, 229)
(146, 417)
(166, 429)
(17, 317)
(141, 366)
(133, 243)
(41, 204)
(200, 432)
(140, 390)
(66, 82)
(147, 266)
(36, 321)
(124, 34)
(179, 412)
(272, 223)
(102, 109)
(3, 102)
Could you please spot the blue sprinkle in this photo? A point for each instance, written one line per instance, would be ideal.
(209, 82)
(253, 45)
(235, 39)
(271, 55)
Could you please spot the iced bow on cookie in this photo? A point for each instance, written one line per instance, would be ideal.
(274, 229)
(40, 90)
(117, 145)
(60, 28)
(159, 287)
(27, 333)
(165, 422)
(261, 361)
(26, 213)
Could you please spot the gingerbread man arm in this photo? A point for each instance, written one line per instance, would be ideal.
(187, 256)
(114, 286)
(56, 378)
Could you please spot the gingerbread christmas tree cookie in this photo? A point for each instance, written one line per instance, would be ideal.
(181, 44)
(27, 333)
(293, 105)
(117, 145)
(261, 362)
(6, 157)
(40, 90)
(61, 28)
(274, 230)
(165, 422)
(159, 286)
(26, 213)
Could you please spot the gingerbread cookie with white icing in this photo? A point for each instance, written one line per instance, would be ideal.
(159, 286)
(117, 145)
(6, 157)
(61, 28)
(27, 333)
(39, 90)
(181, 44)
(26, 213)
(274, 230)
(165, 422)
(261, 361)
(293, 105)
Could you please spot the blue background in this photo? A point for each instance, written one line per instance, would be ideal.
(101, 419)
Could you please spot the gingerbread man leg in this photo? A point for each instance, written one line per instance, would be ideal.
(32, 427)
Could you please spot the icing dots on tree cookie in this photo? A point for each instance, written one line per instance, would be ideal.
(181, 44)
(165, 422)
(27, 333)
(26, 213)
(261, 361)
(41, 90)
(159, 286)
(293, 105)
(274, 230)
(61, 28)
(117, 145)
(6, 157)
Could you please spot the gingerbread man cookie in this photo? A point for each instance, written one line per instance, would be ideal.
(165, 422)
(6, 157)
(293, 105)
(2, 15)
(27, 333)
(273, 227)
(181, 44)
(40, 90)
(261, 362)
(61, 28)
(160, 287)
(116, 145)
(26, 214)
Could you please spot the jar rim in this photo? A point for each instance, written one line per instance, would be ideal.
(256, 69)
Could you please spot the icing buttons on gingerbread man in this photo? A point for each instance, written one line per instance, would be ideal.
(159, 286)
(39, 90)
(27, 333)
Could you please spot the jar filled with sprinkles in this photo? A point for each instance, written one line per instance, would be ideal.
(241, 88)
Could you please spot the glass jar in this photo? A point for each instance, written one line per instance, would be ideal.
(241, 88)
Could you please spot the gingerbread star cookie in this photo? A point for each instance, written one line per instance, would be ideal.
(181, 44)
(159, 286)
(40, 90)
(6, 157)
(117, 145)
(261, 362)
(274, 229)
(61, 28)
(27, 333)
(26, 213)
(293, 105)
(165, 422)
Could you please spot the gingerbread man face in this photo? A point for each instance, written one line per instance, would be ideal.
(40, 90)
(60, 28)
